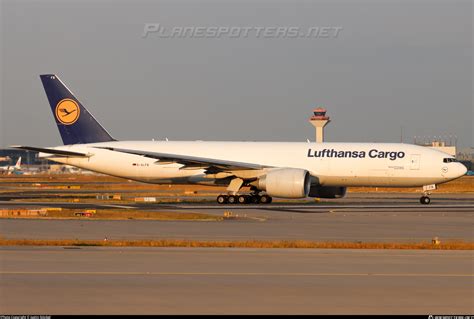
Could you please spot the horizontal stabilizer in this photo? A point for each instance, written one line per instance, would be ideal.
(52, 151)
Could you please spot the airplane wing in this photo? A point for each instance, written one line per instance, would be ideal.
(192, 162)
(54, 152)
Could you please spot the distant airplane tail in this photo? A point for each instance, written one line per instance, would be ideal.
(76, 125)
(18, 163)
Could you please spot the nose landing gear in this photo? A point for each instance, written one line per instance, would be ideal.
(425, 199)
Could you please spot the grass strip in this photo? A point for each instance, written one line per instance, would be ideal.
(117, 214)
(452, 245)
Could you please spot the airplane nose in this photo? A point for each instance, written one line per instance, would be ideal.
(461, 169)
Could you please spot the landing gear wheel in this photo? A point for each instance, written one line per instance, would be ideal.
(254, 199)
(425, 200)
(222, 199)
(232, 199)
(242, 199)
(265, 199)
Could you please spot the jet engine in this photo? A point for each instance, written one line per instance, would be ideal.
(327, 191)
(285, 182)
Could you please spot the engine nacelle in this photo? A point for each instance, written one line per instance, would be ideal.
(327, 191)
(286, 182)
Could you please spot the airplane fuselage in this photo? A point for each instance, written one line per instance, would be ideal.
(330, 164)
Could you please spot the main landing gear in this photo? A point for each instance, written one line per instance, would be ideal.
(244, 199)
(233, 198)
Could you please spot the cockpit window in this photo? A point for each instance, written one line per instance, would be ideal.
(449, 160)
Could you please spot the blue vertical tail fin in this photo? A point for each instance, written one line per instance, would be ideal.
(76, 125)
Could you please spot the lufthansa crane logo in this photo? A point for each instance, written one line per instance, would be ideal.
(67, 111)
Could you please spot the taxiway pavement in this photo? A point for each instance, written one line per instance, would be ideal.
(99, 280)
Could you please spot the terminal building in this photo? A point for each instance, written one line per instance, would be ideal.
(440, 144)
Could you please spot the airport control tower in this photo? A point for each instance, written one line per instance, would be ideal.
(319, 121)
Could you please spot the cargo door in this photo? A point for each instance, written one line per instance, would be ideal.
(415, 161)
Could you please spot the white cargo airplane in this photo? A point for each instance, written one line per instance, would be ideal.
(279, 169)
(8, 169)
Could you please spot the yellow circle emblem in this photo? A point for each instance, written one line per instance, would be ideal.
(67, 111)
